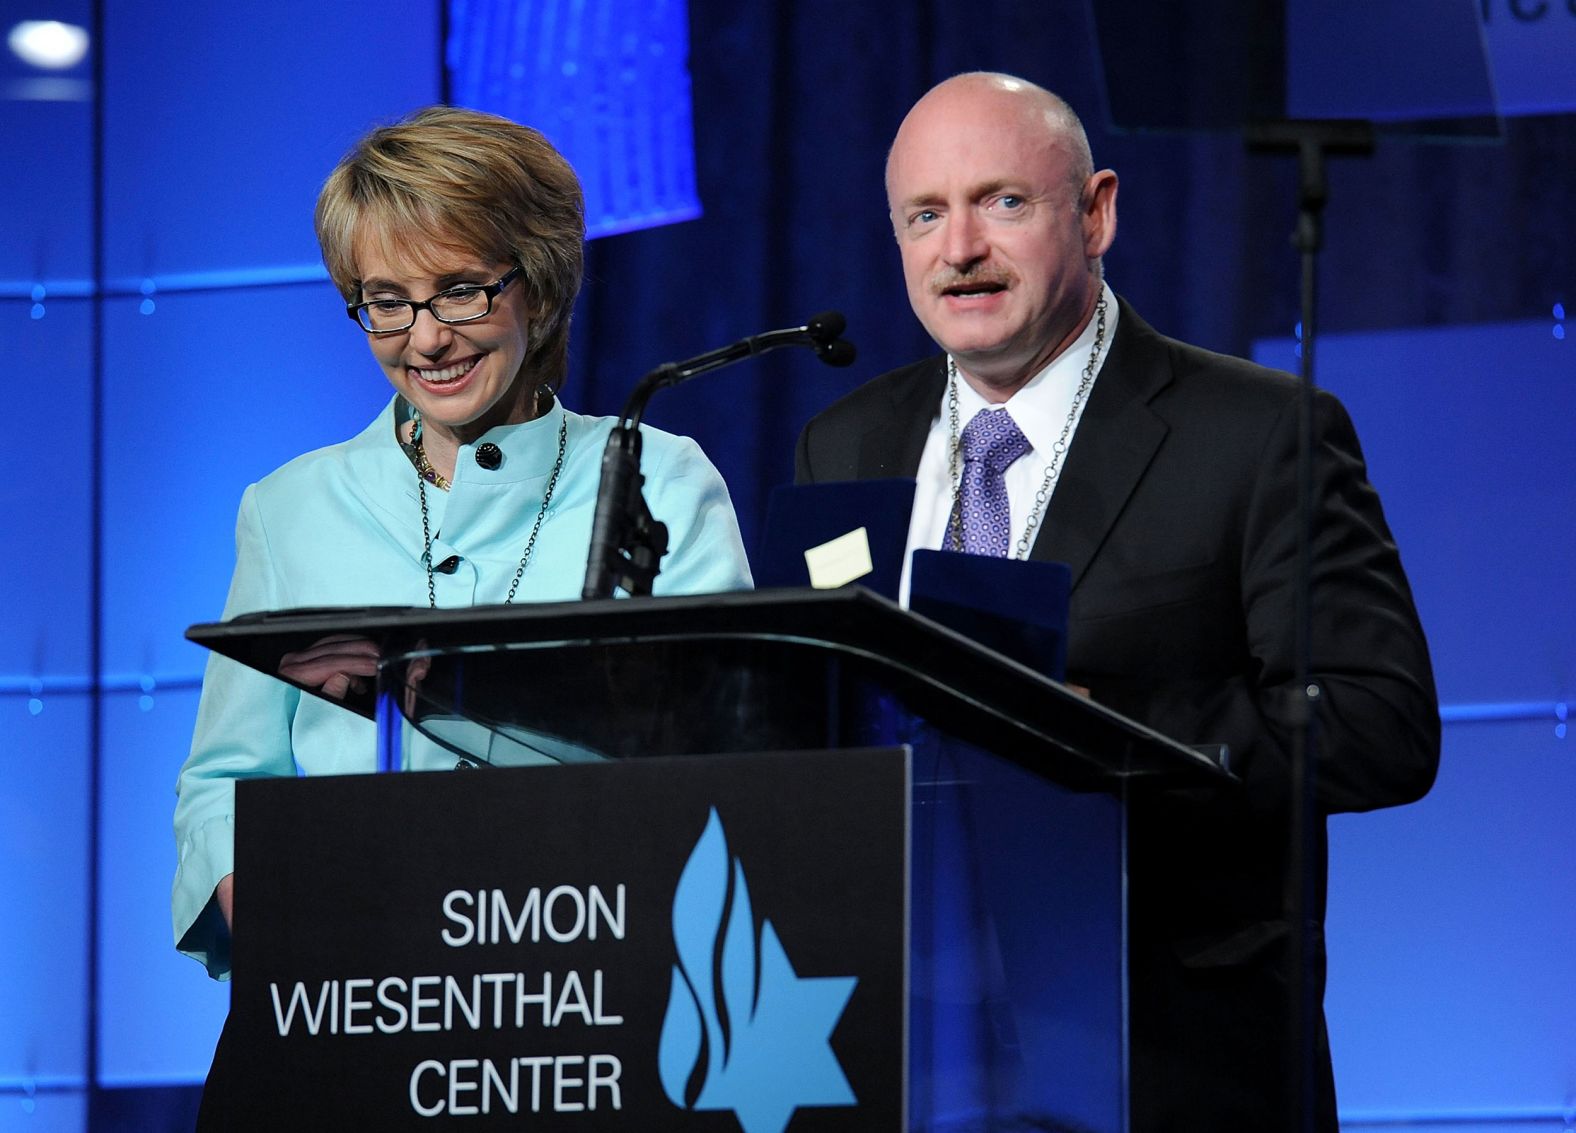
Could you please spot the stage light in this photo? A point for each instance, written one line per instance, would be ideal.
(48, 44)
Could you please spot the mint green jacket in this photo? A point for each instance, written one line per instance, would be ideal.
(342, 526)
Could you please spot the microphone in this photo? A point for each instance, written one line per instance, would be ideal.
(826, 326)
(627, 541)
(825, 334)
(838, 353)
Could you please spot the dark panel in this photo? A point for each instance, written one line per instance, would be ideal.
(1390, 61)
(150, 1109)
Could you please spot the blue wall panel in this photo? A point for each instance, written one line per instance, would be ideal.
(212, 378)
(164, 1015)
(46, 498)
(44, 830)
(1468, 434)
(45, 201)
(1531, 44)
(46, 193)
(206, 394)
(44, 1112)
(221, 123)
(214, 156)
(1450, 928)
(1451, 975)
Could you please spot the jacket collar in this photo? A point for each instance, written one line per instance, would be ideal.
(892, 448)
(1115, 442)
(386, 478)
(526, 451)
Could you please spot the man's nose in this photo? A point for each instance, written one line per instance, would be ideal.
(965, 242)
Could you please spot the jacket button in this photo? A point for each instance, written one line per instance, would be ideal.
(465, 765)
(489, 456)
(448, 565)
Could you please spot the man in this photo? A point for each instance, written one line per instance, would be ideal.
(1165, 476)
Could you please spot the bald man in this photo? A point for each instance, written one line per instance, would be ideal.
(1164, 475)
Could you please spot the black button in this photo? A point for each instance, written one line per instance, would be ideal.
(465, 765)
(448, 565)
(489, 456)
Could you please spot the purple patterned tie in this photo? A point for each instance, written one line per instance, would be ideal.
(991, 441)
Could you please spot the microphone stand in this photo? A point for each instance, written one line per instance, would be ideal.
(1312, 140)
(627, 541)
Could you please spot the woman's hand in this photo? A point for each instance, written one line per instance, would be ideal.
(224, 893)
(333, 666)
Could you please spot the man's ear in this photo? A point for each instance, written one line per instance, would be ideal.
(1097, 210)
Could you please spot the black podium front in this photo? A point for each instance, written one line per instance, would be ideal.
(753, 861)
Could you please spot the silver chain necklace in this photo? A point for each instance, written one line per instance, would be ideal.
(1053, 470)
(530, 542)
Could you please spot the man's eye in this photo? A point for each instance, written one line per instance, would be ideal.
(1010, 201)
(923, 216)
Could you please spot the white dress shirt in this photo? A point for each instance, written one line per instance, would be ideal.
(1040, 409)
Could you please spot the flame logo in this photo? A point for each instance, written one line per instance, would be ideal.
(743, 1031)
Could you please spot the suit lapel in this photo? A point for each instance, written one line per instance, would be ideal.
(1115, 442)
(892, 448)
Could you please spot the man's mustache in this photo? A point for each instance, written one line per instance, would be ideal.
(950, 279)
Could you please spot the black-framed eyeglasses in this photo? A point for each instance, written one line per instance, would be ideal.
(463, 304)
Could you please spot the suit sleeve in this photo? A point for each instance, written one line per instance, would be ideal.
(801, 457)
(1377, 735)
(1376, 741)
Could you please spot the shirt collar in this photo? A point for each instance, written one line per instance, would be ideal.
(1041, 407)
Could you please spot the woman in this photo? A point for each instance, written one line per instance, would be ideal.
(456, 239)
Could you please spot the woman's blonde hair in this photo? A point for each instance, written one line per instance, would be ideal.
(473, 182)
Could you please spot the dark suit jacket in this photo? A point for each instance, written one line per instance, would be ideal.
(1176, 511)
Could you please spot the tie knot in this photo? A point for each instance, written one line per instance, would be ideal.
(993, 439)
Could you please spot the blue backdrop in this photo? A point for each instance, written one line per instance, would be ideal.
(171, 338)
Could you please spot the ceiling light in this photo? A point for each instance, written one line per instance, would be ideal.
(48, 44)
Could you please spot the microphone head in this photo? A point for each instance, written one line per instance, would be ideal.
(826, 326)
(840, 352)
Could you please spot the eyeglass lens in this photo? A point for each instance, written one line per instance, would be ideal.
(451, 306)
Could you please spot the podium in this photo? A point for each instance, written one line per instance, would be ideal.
(763, 861)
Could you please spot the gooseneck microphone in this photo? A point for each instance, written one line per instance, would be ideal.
(822, 333)
(825, 334)
(627, 542)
